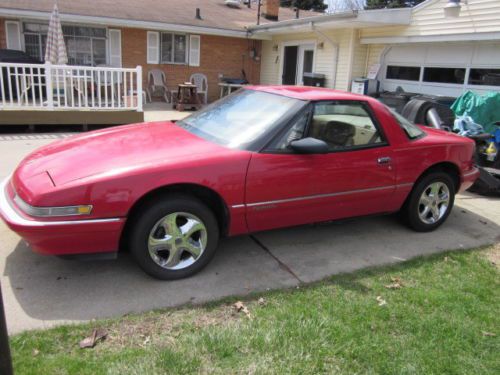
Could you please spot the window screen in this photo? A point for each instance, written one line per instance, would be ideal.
(484, 77)
(407, 73)
(444, 75)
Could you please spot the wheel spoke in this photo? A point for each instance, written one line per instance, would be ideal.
(192, 226)
(444, 198)
(156, 244)
(425, 212)
(425, 200)
(435, 187)
(170, 225)
(174, 257)
(435, 213)
(194, 248)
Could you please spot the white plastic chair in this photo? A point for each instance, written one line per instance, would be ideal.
(25, 83)
(157, 80)
(201, 82)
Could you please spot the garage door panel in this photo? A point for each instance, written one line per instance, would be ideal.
(448, 55)
(406, 55)
(486, 54)
(457, 56)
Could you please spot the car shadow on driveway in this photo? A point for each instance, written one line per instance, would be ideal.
(43, 291)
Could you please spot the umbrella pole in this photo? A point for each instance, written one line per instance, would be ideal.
(5, 358)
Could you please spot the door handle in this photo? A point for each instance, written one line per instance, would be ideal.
(384, 160)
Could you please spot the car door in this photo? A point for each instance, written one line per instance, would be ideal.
(356, 177)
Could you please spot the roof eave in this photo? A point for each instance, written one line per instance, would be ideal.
(362, 18)
(119, 22)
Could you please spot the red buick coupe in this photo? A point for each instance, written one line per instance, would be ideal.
(262, 158)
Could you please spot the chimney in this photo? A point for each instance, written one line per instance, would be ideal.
(271, 9)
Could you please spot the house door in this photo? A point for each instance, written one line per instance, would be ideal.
(290, 65)
(305, 63)
(297, 60)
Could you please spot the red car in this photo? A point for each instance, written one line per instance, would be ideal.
(262, 158)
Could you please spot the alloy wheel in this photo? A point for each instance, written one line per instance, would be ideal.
(433, 203)
(177, 240)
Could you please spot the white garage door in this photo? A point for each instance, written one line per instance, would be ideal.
(442, 68)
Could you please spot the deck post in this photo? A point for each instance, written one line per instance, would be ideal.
(5, 357)
(48, 85)
(139, 88)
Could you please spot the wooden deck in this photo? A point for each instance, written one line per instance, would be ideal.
(69, 117)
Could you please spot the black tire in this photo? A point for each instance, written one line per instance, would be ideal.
(411, 209)
(152, 212)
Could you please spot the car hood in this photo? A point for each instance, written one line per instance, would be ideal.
(114, 150)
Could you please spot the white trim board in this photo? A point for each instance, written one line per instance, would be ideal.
(431, 38)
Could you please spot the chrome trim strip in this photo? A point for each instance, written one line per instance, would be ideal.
(322, 195)
(11, 215)
(471, 173)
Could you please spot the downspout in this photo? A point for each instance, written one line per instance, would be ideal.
(351, 58)
(336, 48)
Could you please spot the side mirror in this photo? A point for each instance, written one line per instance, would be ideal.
(309, 145)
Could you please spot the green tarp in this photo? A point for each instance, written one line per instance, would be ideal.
(484, 109)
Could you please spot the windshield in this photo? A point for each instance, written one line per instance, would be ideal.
(411, 130)
(241, 117)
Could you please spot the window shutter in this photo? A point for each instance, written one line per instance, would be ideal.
(115, 48)
(13, 32)
(194, 50)
(153, 55)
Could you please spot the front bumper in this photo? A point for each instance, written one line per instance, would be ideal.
(468, 178)
(61, 237)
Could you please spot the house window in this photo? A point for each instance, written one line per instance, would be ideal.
(407, 73)
(35, 39)
(84, 45)
(173, 48)
(484, 77)
(444, 75)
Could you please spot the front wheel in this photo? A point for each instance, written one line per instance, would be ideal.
(175, 237)
(430, 202)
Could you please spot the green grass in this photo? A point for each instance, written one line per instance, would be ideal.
(434, 324)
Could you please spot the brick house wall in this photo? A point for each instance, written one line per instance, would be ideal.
(218, 55)
(3, 41)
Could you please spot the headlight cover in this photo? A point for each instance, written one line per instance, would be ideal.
(52, 211)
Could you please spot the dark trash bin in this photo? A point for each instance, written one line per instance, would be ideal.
(314, 79)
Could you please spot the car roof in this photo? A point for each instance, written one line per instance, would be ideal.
(310, 93)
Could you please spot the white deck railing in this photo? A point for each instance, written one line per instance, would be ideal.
(66, 87)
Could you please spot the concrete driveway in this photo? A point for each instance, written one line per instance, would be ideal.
(41, 291)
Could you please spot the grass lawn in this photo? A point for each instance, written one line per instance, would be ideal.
(432, 315)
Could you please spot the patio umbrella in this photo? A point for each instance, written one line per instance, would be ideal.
(55, 50)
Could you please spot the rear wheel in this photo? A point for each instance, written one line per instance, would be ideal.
(174, 237)
(430, 202)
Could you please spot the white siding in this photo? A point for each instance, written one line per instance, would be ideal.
(325, 58)
(478, 16)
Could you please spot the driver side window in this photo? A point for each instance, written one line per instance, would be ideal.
(295, 131)
(344, 125)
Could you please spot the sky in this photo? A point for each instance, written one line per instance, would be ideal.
(343, 5)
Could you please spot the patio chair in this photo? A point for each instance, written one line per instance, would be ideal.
(107, 83)
(201, 82)
(157, 80)
(24, 85)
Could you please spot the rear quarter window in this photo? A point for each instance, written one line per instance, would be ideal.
(411, 130)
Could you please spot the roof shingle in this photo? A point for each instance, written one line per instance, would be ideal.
(214, 13)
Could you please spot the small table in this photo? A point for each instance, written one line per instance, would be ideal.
(187, 97)
(228, 88)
